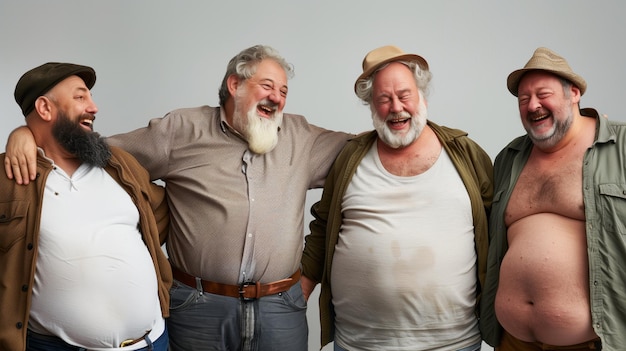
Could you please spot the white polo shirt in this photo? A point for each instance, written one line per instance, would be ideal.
(95, 283)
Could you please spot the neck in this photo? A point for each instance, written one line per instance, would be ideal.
(62, 159)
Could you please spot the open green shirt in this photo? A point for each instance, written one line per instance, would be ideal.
(604, 195)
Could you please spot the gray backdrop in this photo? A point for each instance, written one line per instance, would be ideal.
(155, 56)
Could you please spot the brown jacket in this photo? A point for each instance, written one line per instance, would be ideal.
(20, 213)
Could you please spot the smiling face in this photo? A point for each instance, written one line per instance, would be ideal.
(546, 107)
(72, 127)
(259, 103)
(73, 98)
(398, 108)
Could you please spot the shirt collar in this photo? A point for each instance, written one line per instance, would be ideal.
(604, 131)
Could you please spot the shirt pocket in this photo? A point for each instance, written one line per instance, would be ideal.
(13, 218)
(613, 207)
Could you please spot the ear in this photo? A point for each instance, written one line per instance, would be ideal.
(43, 107)
(575, 93)
(232, 82)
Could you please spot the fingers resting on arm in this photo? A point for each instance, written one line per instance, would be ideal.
(20, 162)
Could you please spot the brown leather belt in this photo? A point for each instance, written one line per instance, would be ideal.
(246, 291)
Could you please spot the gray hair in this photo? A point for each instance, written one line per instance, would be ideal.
(244, 66)
(422, 78)
(566, 84)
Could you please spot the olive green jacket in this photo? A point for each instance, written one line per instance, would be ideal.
(474, 167)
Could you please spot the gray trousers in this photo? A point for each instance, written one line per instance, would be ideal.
(201, 322)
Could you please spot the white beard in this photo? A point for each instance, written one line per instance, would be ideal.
(260, 133)
(400, 139)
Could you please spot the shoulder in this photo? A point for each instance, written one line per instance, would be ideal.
(121, 157)
(204, 109)
(293, 122)
(298, 126)
(513, 148)
(191, 113)
(444, 132)
(357, 143)
(458, 137)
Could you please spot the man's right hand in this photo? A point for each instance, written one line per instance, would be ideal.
(20, 162)
(307, 286)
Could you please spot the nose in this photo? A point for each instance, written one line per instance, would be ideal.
(534, 104)
(276, 96)
(91, 106)
(396, 105)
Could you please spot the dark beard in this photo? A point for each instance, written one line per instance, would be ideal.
(88, 147)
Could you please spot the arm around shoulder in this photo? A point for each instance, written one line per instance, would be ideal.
(20, 162)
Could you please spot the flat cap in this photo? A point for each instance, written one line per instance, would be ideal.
(40, 80)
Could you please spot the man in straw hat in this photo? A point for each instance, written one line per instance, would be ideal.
(81, 265)
(399, 239)
(556, 277)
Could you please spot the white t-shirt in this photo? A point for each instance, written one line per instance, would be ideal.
(95, 283)
(404, 268)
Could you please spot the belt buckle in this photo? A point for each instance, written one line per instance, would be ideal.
(127, 342)
(242, 288)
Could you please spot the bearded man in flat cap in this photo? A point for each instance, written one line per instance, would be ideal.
(399, 239)
(556, 277)
(81, 265)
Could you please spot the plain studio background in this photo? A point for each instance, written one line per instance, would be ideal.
(154, 56)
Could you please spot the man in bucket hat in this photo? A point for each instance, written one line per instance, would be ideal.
(81, 265)
(399, 239)
(556, 277)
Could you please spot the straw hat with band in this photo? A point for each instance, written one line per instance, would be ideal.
(385, 54)
(40, 80)
(547, 60)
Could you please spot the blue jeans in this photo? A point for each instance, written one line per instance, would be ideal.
(469, 348)
(38, 342)
(201, 321)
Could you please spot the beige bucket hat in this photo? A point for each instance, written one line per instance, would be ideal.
(386, 54)
(546, 60)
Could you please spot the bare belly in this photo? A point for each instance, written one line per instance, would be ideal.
(543, 293)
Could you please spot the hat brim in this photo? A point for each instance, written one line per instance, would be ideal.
(513, 80)
(405, 57)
